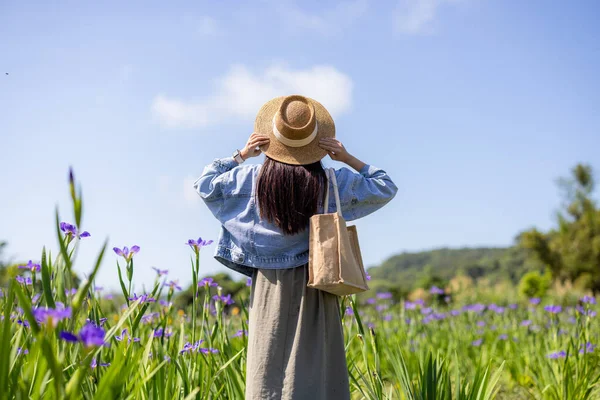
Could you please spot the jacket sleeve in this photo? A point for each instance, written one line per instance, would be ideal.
(362, 193)
(213, 183)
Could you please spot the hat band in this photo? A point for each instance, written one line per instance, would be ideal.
(295, 142)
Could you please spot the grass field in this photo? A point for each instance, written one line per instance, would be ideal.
(61, 341)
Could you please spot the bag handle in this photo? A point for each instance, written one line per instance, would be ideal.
(331, 171)
(326, 208)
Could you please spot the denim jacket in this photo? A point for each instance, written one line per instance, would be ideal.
(247, 242)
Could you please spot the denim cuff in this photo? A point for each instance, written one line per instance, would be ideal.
(368, 170)
(223, 165)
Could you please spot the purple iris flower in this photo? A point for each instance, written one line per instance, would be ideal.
(143, 298)
(24, 281)
(71, 231)
(196, 245)
(122, 335)
(165, 303)
(207, 282)
(477, 308)
(436, 290)
(368, 276)
(161, 272)
(426, 310)
(588, 299)
(158, 332)
(205, 350)
(1, 293)
(477, 343)
(409, 305)
(526, 322)
(35, 298)
(125, 334)
(535, 301)
(349, 310)
(188, 347)
(504, 336)
(384, 295)
(481, 324)
(249, 282)
(496, 309)
(513, 306)
(71, 292)
(126, 252)
(31, 266)
(583, 311)
(371, 300)
(558, 354)
(588, 348)
(174, 285)
(51, 316)
(227, 300)
(438, 316)
(90, 336)
(23, 322)
(149, 317)
(22, 351)
(553, 309)
(94, 364)
(387, 317)
(241, 332)
(454, 313)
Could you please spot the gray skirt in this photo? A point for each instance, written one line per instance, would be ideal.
(295, 339)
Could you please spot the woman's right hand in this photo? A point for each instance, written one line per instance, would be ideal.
(335, 149)
(338, 152)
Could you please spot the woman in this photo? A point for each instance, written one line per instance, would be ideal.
(295, 341)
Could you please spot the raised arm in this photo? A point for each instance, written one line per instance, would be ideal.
(360, 193)
(214, 181)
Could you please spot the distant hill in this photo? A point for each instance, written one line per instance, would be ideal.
(407, 270)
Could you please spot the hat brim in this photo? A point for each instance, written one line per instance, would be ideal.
(276, 150)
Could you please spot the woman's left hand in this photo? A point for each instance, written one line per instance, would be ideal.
(255, 140)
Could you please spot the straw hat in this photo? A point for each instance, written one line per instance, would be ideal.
(295, 124)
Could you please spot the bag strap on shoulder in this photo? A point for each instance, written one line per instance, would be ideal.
(330, 174)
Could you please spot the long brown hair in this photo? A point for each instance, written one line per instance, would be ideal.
(288, 195)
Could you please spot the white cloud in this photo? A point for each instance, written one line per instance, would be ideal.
(418, 16)
(330, 22)
(240, 93)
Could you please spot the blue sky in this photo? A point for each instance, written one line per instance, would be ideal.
(473, 107)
